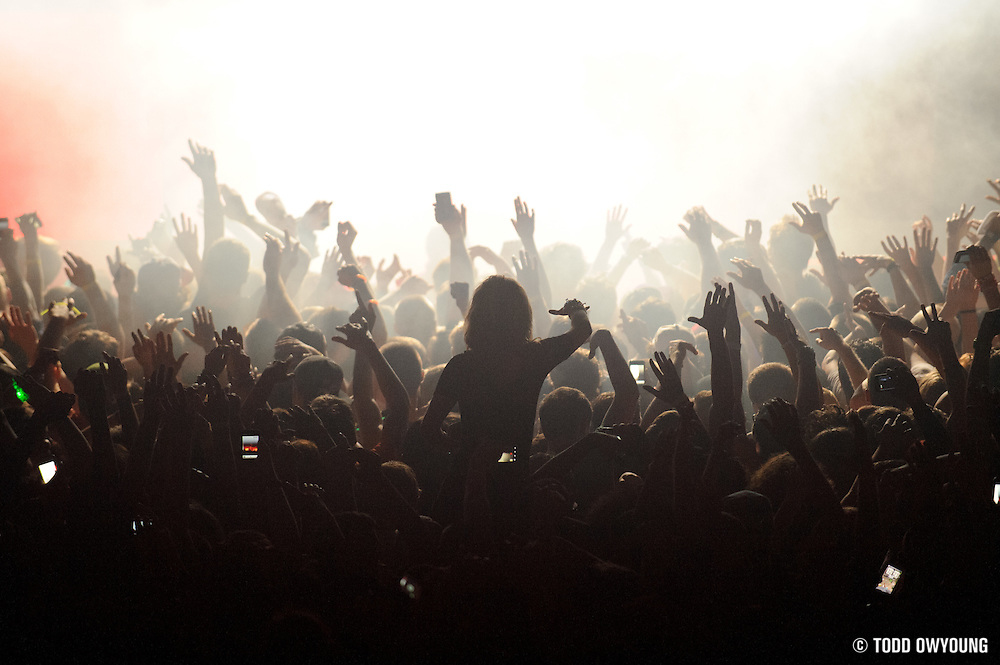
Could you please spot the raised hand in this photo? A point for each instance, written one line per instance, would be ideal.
(959, 224)
(893, 322)
(231, 335)
(153, 353)
(599, 337)
(162, 324)
(354, 335)
(79, 271)
(115, 374)
(383, 277)
(938, 332)
(187, 236)
(819, 202)
(202, 161)
(679, 349)
(923, 252)
(273, 251)
(963, 292)
(204, 334)
(749, 277)
(713, 318)
(570, 306)
(121, 273)
(854, 269)
(451, 219)
(365, 314)
(524, 222)
(778, 324)
(812, 222)
(783, 420)
(828, 339)
(233, 206)
(317, 217)
(670, 388)
(20, 331)
(869, 301)
(900, 253)
(699, 228)
(349, 275)
(980, 263)
(290, 254)
(995, 184)
(29, 225)
(527, 272)
(614, 227)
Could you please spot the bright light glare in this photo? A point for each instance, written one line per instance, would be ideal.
(575, 107)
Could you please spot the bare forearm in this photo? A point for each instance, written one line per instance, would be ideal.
(214, 222)
(623, 406)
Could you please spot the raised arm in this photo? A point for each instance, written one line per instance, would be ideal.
(202, 162)
(81, 274)
(614, 230)
(30, 224)
(275, 305)
(20, 291)
(524, 225)
(813, 224)
(626, 400)
(397, 401)
(713, 320)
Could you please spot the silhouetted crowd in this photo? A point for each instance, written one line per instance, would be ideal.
(244, 443)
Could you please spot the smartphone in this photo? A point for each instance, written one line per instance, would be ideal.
(509, 456)
(962, 256)
(638, 368)
(443, 200)
(884, 382)
(47, 471)
(4, 223)
(890, 578)
(250, 443)
(996, 493)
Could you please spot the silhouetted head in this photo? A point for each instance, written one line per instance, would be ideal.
(499, 315)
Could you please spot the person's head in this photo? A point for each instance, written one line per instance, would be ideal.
(833, 449)
(429, 384)
(315, 376)
(225, 267)
(306, 333)
(270, 206)
(85, 349)
(564, 415)
(158, 286)
(666, 334)
(259, 340)
(769, 381)
(403, 478)
(656, 313)
(336, 416)
(403, 356)
(415, 318)
(637, 296)
(867, 351)
(565, 267)
(600, 294)
(578, 371)
(812, 313)
(327, 320)
(788, 248)
(499, 315)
